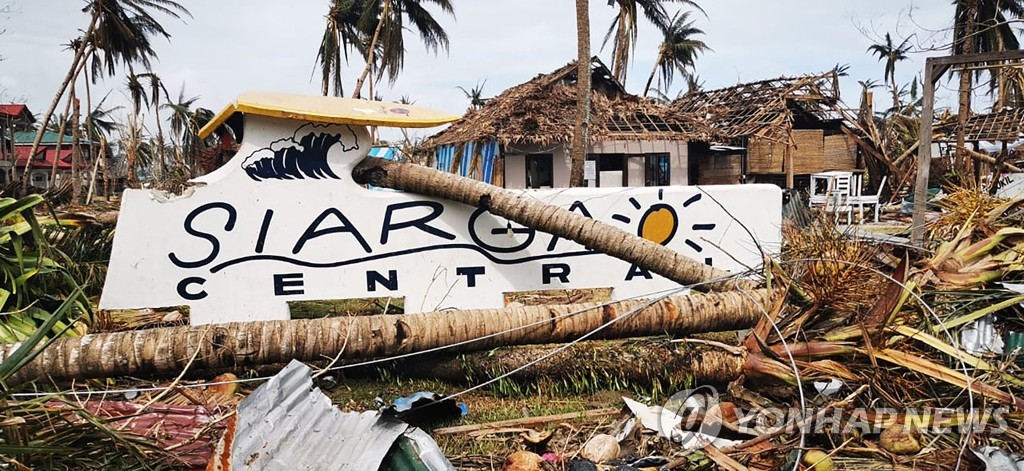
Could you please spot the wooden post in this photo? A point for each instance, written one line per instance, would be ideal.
(924, 153)
(787, 157)
(933, 68)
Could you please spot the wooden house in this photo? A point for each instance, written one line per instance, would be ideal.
(778, 131)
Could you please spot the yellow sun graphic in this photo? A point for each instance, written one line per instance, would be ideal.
(660, 222)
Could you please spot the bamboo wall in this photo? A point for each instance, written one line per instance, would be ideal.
(719, 169)
(764, 156)
(840, 152)
(814, 152)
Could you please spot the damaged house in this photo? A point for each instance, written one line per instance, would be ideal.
(777, 131)
(522, 137)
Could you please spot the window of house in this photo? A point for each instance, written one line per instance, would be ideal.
(539, 171)
(656, 170)
(39, 180)
(611, 163)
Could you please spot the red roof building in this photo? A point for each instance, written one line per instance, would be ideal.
(44, 157)
(14, 111)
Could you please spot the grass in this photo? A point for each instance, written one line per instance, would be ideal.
(485, 406)
(342, 307)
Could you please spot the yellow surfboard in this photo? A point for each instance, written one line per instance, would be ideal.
(334, 110)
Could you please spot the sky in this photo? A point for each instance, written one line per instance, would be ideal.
(231, 46)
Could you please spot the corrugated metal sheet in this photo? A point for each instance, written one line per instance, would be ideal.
(190, 431)
(288, 424)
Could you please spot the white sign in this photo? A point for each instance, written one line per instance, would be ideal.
(590, 170)
(284, 221)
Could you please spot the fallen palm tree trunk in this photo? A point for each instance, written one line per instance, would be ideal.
(168, 350)
(990, 160)
(587, 366)
(547, 218)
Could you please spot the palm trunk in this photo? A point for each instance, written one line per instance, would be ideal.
(60, 141)
(580, 137)
(159, 136)
(549, 219)
(133, 148)
(627, 363)
(76, 150)
(106, 169)
(89, 132)
(165, 351)
(650, 78)
(896, 97)
(371, 51)
(95, 169)
(72, 75)
(963, 162)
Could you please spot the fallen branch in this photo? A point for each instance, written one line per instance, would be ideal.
(547, 218)
(165, 351)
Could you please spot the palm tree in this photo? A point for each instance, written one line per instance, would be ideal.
(678, 51)
(98, 126)
(989, 25)
(693, 83)
(981, 26)
(891, 54)
(137, 94)
(385, 51)
(181, 112)
(624, 28)
(102, 120)
(186, 121)
(341, 35)
(156, 86)
(119, 31)
(475, 95)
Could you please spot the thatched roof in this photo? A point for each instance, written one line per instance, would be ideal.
(542, 111)
(764, 109)
(1006, 125)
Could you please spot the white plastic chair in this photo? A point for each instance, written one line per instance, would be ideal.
(839, 197)
(863, 200)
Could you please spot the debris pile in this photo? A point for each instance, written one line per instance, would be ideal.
(842, 352)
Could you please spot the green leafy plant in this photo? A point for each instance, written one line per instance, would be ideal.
(33, 286)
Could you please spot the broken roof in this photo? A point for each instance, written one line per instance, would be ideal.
(542, 111)
(1005, 125)
(764, 109)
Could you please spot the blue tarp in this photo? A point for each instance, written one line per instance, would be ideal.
(489, 153)
(445, 156)
(390, 153)
(467, 158)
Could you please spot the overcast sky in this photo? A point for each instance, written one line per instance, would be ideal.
(230, 46)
